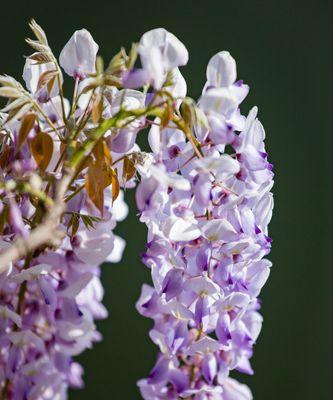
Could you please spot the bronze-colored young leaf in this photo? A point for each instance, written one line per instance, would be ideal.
(75, 225)
(97, 109)
(110, 80)
(4, 154)
(4, 217)
(115, 185)
(63, 147)
(84, 164)
(26, 126)
(106, 173)
(102, 153)
(18, 112)
(41, 148)
(99, 65)
(46, 78)
(38, 31)
(93, 185)
(117, 64)
(99, 177)
(166, 117)
(50, 85)
(107, 154)
(40, 58)
(186, 110)
(132, 56)
(88, 88)
(128, 169)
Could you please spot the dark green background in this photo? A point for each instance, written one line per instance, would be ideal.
(284, 51)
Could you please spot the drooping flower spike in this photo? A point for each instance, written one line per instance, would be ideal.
(203, 191)
(50, 299)
(207, 223)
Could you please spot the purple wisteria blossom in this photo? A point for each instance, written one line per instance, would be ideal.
(207, 220)
(49, 301)
(203, 192)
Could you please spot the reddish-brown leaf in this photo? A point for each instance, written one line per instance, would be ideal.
(102, 153)
(26, 126)
(63, 147)
(46, 77)
(99, 176)
(115, 185)
(97, 109)
(50, 85)
(107, 154)
(40, 58)
(18, 112)
(166, 117)
(106, 175)
(88, 88)
(128, 169)
(41, 148)
(5, 151)
(4, 217)
(93, 186)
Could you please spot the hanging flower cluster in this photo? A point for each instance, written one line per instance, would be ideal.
(203, 192)
(50, 297)
(207, 209)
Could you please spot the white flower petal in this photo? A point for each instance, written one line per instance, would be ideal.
(179, 229)
(5, 312)
(170, 179)
(219, 229)
(32, 72)
(95, 244)
(173, 51)
(75, 288)
(204, 345)
(178, 310)
(203, 285)
(119, 246)
(233, 390)
(221, 70)
(160, 52)
(221, 166)
(31, 273)
(221, 101)
(78, 57)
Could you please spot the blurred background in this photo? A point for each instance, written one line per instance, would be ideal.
(284, 52)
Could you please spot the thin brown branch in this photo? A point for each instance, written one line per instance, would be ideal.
(47, 233)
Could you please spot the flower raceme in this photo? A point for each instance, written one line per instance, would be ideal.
(207, 220)
(51, 296)
(203, 191)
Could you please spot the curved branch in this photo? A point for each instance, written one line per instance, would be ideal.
(46, 233)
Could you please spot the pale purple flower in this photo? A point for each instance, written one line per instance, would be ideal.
(32, 73)
(160, 52)
(207, 229)
(78, 57)
(207, 212)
